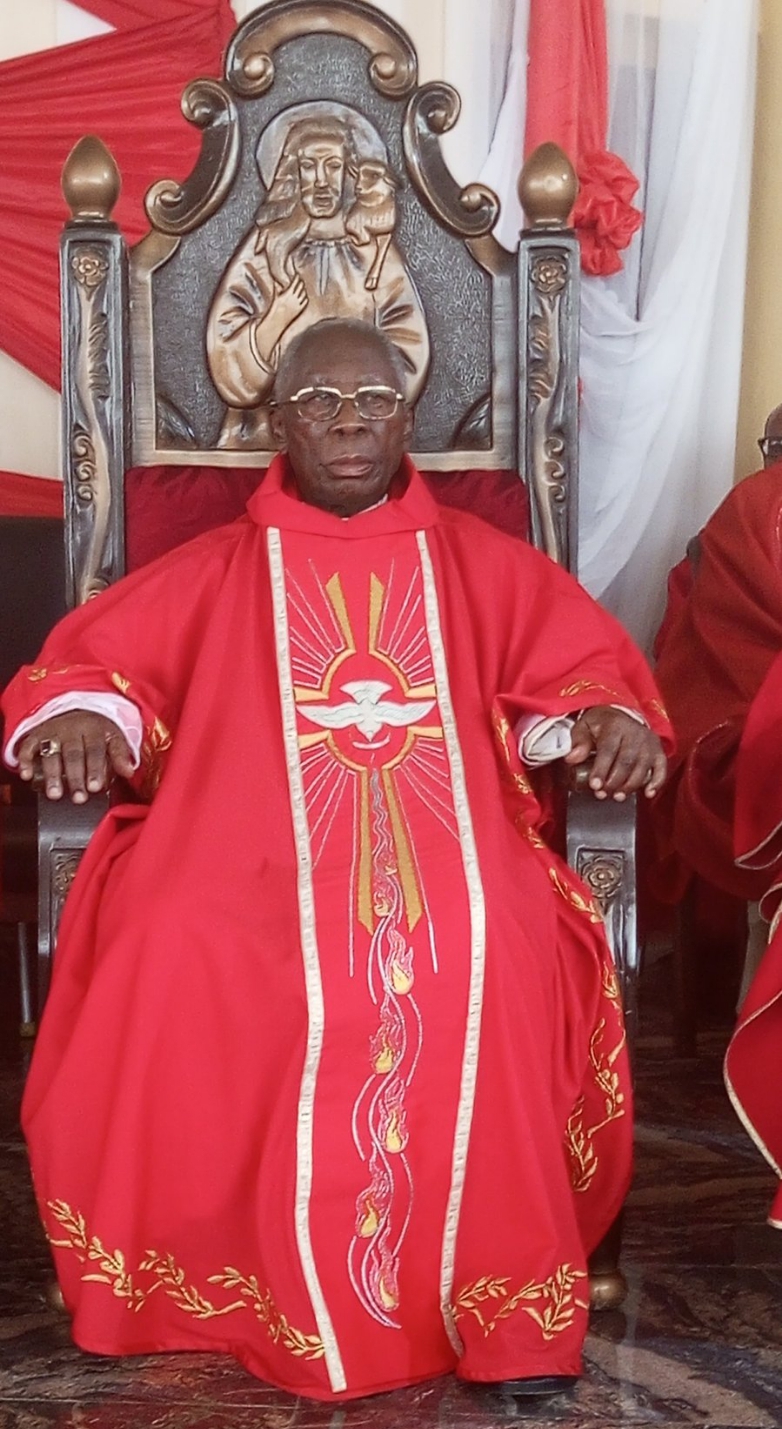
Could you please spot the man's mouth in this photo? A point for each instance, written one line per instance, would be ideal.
(351, 467)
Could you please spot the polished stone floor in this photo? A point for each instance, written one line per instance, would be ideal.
(699, 1341)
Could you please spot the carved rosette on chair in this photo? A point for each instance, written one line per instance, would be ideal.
(65, 829)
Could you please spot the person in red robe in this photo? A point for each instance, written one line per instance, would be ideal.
(722, 632)
(332, 1076)
(753, 1061)
(718, 669)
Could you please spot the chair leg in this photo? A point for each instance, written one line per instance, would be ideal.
(685, 998)
(27, 1021)
(607, 1285)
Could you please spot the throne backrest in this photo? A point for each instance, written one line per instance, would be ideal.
(170, 349)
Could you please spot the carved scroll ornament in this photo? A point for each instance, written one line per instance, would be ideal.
(175, 208)
(469, 212)
(249, 65)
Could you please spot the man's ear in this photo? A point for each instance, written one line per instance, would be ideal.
(409, 419)
(278, 429)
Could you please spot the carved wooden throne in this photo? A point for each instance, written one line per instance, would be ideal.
(153, 338)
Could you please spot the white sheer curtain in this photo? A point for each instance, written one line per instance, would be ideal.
(661, 342)
(501, 168)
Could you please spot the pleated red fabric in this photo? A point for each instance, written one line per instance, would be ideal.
(126, 88)
(29, 495)
(567, 103)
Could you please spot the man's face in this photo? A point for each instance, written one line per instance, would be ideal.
(322, 177)
(347, 463)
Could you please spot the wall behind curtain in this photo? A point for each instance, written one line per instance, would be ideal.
(761, 388)
(450, 46)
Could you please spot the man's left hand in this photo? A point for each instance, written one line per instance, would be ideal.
(628, 755)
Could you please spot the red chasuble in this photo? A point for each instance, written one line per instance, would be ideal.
(332, 1075)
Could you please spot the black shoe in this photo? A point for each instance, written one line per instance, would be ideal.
(539, 1385)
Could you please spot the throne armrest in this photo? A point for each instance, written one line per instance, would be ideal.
(64, 830)
(601, 849)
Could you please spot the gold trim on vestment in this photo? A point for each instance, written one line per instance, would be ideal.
(738, 1106)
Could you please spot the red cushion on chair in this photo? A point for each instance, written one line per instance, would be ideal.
(167, 505)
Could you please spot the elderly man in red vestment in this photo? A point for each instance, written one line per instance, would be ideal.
(332, 1075)
(718, 671)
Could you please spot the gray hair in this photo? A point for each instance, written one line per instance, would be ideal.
(339, 329)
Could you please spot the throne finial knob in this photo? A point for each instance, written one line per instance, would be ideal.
(91, 181)
(548, 187)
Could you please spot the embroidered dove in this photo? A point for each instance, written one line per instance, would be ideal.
(367, 710)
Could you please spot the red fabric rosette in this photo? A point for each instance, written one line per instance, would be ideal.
(603, 216)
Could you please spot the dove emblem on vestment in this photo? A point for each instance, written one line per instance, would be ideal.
(367, 710)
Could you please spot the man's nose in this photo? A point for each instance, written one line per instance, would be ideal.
(348, 417)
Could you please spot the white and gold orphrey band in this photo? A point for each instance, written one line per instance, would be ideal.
(474, 883)
(309, 945)
(312, 979)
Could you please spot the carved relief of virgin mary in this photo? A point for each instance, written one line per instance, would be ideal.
(322, 246)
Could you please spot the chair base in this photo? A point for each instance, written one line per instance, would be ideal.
(539, 1387)
(607, 1290)
(54, 1298)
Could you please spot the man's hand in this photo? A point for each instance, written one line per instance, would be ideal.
(80, 750)
(628, 755)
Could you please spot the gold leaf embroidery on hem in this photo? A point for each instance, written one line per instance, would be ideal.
(308, 1347)
(553, 1310)
(112, 1271)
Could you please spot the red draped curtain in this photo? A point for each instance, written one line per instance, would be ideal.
(130, 14)
(567, 102)
(126, 87)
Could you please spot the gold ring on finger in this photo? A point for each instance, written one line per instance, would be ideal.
(49, 746)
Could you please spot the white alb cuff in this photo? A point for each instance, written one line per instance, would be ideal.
(543, 740)
(117, 708)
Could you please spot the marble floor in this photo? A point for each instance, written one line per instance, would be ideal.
(699, 1341)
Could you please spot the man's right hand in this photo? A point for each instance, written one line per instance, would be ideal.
(85, 750)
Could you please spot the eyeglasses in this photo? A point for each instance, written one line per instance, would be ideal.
(323, 404)
(770, 446)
